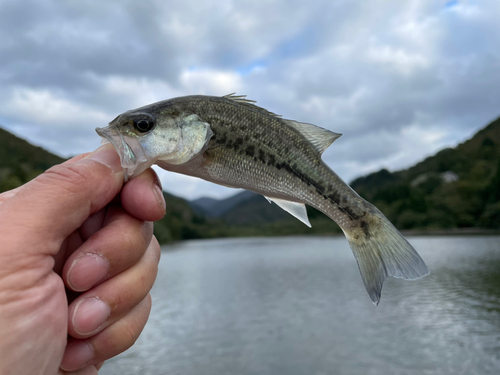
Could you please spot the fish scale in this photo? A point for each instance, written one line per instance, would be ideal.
(274, 149)
(232, 142)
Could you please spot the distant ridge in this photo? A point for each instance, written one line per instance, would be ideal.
(20, 161)
(456, 188)
(211, 207)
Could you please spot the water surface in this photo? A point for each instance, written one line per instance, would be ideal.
(297, 306)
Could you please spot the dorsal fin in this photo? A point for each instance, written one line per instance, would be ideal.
(242, 99)
(320, 138)
(295, 209)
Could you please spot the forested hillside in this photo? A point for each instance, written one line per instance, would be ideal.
(456, 188)
(20, 161)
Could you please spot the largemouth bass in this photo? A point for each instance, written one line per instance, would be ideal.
(232, 142)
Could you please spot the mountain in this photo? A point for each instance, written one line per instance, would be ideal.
(255, 209)
(20, 161)
(181, 222)
(250, 214)
(211, 207)
(456, 188)
(257, 215)
(204, 203)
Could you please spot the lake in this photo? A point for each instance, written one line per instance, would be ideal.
(297, 306)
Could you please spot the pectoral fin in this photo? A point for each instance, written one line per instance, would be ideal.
(295, 209)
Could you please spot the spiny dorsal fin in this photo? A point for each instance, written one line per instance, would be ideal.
(238, 98)
(295, 209)
(320, 138)
(243, 100)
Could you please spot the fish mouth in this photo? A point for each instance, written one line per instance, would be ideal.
(128, 158)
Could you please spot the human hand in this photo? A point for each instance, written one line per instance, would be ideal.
(71, 227)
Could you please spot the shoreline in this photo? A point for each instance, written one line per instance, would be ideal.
(451, 232)
(405, 233)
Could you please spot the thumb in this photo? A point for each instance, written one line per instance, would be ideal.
(56, 203)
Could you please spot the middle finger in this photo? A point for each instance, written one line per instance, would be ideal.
(111, 250)
(111, 300)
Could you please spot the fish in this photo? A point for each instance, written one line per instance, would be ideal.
(231, 141)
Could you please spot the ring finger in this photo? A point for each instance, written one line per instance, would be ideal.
(103, 305)
(112, 341)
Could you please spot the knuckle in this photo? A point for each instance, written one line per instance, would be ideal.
(147, 304)
(146, 275)
(153, 257)
(155, 245)
(135, 243)
(131, 330)
(147, 231)
(130, 336)
(138, 241)
(68, 177)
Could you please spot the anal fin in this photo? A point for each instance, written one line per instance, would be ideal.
(295, 209)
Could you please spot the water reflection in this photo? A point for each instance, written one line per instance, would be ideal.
(298, 306)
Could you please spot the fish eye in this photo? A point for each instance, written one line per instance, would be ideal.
(143, 126)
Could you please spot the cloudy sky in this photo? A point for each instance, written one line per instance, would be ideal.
(399, 79)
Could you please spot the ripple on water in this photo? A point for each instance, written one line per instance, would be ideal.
(298, 306)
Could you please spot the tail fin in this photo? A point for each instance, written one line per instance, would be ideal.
(382, 251)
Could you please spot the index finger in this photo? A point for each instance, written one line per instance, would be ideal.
(58, 201)
(143, 198)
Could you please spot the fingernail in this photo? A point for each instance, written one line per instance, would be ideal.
(77, 355)
(89, 315)
(86, 271)
(160, 198)
(107, 155)
(159, 193)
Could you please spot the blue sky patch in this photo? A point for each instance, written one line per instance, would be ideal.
(299, 44)
(247, 69)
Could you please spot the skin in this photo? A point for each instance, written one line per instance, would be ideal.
(77, 262)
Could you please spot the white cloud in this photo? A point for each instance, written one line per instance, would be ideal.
(397, 59)
(49, 109)
(137, 91)
(467, 11)
(210, 82)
